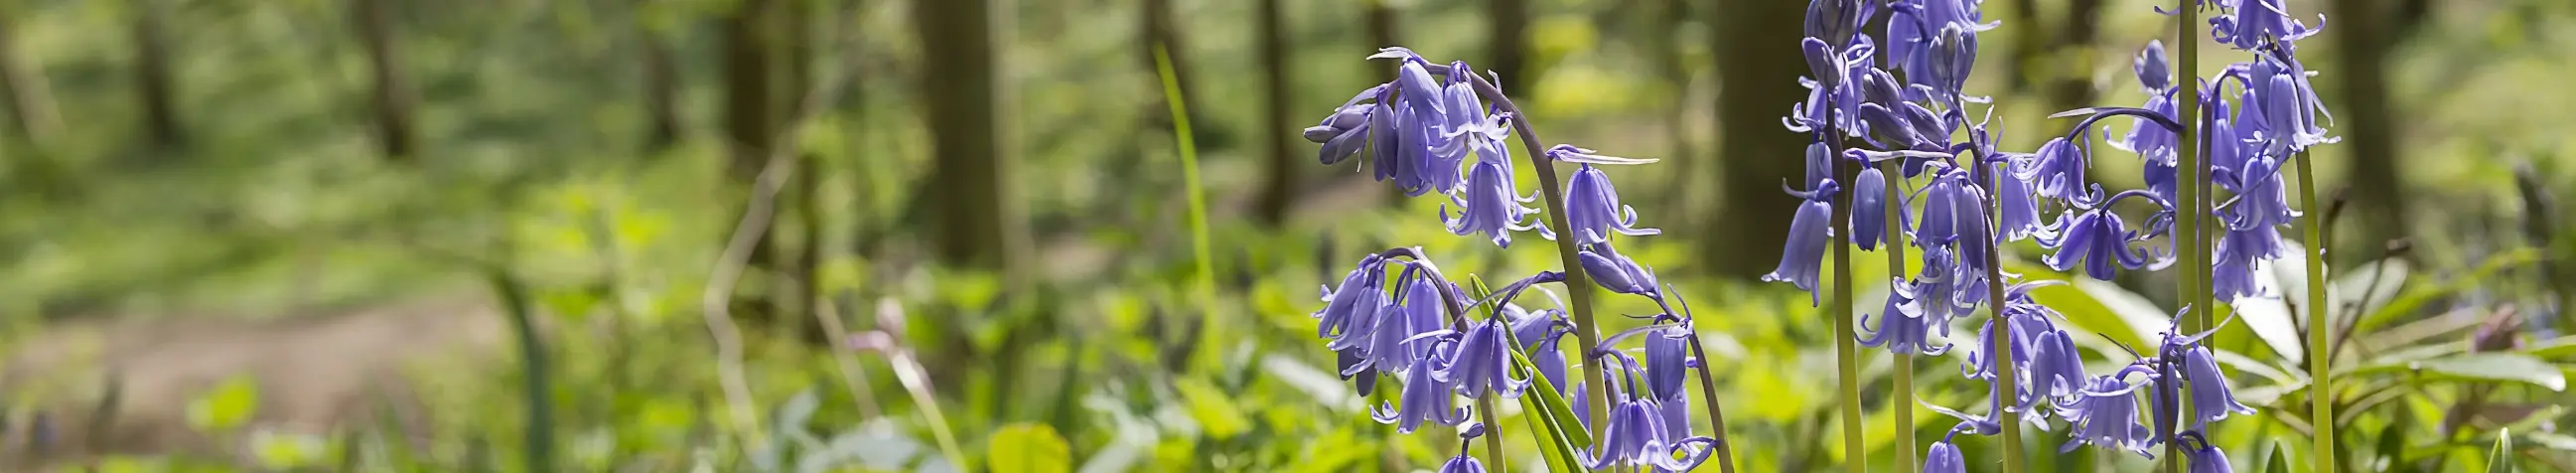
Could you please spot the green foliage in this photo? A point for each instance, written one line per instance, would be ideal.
(227, 407)
(1029, 449)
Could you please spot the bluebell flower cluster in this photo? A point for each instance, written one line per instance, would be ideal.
(1902, 95)
(1395, 315)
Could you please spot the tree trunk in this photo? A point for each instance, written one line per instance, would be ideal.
(2364, 34)
(31, 101)
(1758, 79)
(153, 85)
(1507, 43)
(661, 88)
(750, 126)
(2073, 91)
(1282, 176)
(958, 86)
(1158, 29)
(375, 22)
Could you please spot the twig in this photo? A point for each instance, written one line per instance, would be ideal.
(755, 222)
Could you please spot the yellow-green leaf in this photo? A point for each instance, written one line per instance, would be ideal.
(227, 407)
(1028, 448)
(1215, 412)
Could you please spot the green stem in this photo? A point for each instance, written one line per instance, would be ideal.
(2192, 285)
(1903, 402)
(1493, 431)
(2321, 392)
(532, 351)
(1206, 281)
(2002, 334)
(1716, 414)
(1577, 285)
(1846, 344)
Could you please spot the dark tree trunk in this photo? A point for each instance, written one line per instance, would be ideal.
(1282, 176)
(152, 82)
(958, 86)
(31, 103)
(1758, 79)
(1159, 28)
(661, 88)
(751, 122)
(2364, 32)
(2071, 91)
(1507, 43)
(375, 22)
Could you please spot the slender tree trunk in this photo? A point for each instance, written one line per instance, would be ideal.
(661, 88)
(751, 123)
(2365, 31)
(1758, 79)
(2075, 90)
(375, 22)
(1282, 176)
(31, 100)
(152, 82)
(958, 87)
(1508, 43)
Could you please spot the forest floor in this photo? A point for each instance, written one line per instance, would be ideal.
(314, 371)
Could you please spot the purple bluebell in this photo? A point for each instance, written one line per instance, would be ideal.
(1820, 162)
(1350, 311)
(1362, 377)
(2287, 103)
(2154, 72)
(1888, 127)
(1482, 360)
(1944, 457)
(2250, 24)
(1836, 21)
(1802, 258)
(1666, 359)
(2019, 211)
(1954, 215)
(2211, 401)
(1346, 131)
(1937, 288)
(1550, 360)
(1636, 436)
(1488, 205)
(2056, 370)
(1529, 326)
(1397, 341)
(1615, 272)
(1592, 209)
(2207, 458)
(1869, 209)
(2056, 171)
(1462, 464)
(1419, 120)
(2106, 415)
(1899, 332)
(2096, 238)
(1676, 421)
(1952, 57)
(1425, 399)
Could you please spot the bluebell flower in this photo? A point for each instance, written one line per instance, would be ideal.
(2154, 72)
(2097, 238)
(2207, 458)
(1636, 436)
(1350, 311)
(2211, 400)
(1462, 464)
(1676, 421)
(1666, 359)
(1952, 57)
(2106, 415)
(1954, 215)
(1869, 208)
(2287, 103)
(1899, 332)
(1802, 258)
(1346, 131)
(1398, 340)
(1836, 21)
(2056, 171)
(1592, 209)
(1889, 129)
(1615, 272)
(1550, 361)
(1425, 399)
(1944, 457)
(1351, 363)
(1820, 162)
(2020, 213)
(1488, 205)
(1482, 360)
(1529, 326)
(2250, 24)
(2056, 370)
(1385, 138)
(1937, 292)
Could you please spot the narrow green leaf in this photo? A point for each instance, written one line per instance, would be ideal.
(2279, 460)
(2411, 300)
(1551, 404)
(2501, 461)
(1028, 448)
(2507, 367)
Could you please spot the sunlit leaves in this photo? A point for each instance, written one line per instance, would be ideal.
(1028, 448)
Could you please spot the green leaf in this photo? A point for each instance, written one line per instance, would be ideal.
(285, 452)
(227, 407)
(2099, 307)
(1558, 410)
(2279, 460)
(1213, 409)
(2501, 461)
(2270, 320)
(1028, 448)
(2411, 300)
(2506, 367)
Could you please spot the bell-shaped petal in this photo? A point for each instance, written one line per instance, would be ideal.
(1802, 258)
(1666, 361)
(1481, 361)
(1944, 458)
(1954, 55)
(1897, 330)
(1615, 272)
(2153, 71)
(1350, 310)
(1592, 209)
(1869, 209)
(2106, 415)
(1462, 464)
(2211, 400)
(1425, 399)
(2019, 214)
(1487, 205)
(2056, 171)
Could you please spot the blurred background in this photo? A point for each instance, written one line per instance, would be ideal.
(956, 235)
